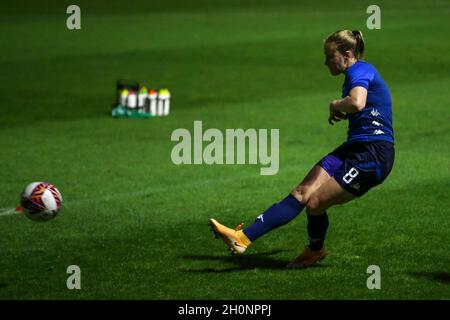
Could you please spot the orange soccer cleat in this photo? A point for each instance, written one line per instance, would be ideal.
(308, 258)
(235, 239)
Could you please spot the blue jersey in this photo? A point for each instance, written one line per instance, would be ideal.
(374, 121)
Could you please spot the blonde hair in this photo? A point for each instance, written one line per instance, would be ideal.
(348, 40)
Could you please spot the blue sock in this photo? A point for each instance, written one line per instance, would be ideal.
(277, 215)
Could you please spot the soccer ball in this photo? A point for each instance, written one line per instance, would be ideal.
(41, 201)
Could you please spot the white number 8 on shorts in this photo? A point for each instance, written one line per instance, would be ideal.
(350, 175)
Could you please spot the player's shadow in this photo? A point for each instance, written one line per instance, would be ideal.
(245, 262)
(442, 277)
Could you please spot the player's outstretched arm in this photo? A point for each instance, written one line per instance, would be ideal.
(354, 102)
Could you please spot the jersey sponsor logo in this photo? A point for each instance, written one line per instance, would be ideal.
(375, 113)
(376, 123)
(356, 186)
(378, 132)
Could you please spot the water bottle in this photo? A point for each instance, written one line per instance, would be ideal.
(142, 98)
(153, 98)
(164, 102)
(132, 101)
(123, 97)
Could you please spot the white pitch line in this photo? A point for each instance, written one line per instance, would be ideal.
(8, 211)
(160, 189)
(152, 190)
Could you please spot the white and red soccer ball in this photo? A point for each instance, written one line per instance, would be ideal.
(41, 201)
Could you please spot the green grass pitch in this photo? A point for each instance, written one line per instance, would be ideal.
(136, 224)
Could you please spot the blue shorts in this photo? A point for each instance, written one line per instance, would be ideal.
(360, 166)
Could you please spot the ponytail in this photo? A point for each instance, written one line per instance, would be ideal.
(359, 48)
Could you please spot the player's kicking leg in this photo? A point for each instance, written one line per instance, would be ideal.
(277, 215)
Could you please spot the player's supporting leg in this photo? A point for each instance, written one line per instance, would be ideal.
(317, 229)
(276, 216)
(327, 195)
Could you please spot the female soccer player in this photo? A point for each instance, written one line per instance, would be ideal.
(352, 169)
